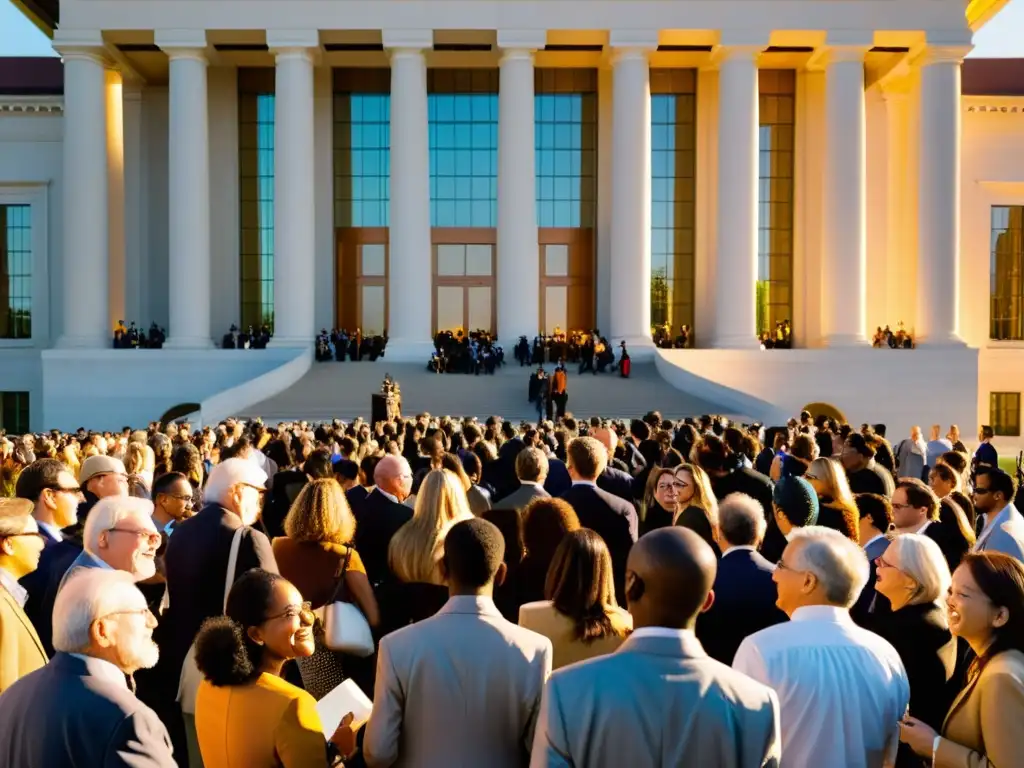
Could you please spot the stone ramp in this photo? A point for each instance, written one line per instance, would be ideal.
(342, 390)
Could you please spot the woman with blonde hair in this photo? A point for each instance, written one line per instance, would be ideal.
(658, 506)
(696, 505)
(836, 506)
(316, 555)
(135, 466)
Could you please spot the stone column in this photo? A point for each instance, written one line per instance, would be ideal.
(188, 172)
(410, 292)
(736, 264)
(85, 217)
(294, 205)
(845, 235)
(898, 248)
(939, 198)
(518, 273)
(631, 199)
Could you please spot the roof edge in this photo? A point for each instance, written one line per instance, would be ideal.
(979, 12)
(44, 19)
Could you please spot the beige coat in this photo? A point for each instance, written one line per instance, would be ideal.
(21, 651)
(542, 618)
(982, 729)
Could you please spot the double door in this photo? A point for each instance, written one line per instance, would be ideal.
(463, 276)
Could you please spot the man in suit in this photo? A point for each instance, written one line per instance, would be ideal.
(915, 509)
(745, 594)
(506, 476)
(462, 687)
(994, 492)
(55, 496)
(615, 481)
(659, 700)
(532, 471)
(102, 631)
(381, 514)
(612, 518)
(198, 552)
(875, 520)
(21, 545)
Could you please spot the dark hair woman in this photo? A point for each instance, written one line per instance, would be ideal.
(246, 713)
(580, 615)
(510, 522)
(986, 609)
(546, 521)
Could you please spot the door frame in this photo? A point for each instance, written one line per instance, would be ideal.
(348, 294)
(463, 236)
(582, 256)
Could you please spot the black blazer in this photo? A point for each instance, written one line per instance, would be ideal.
(746, 481)
(920, 635)
(613, 519)
(696, 520)
(378, 518)
(36, 584)
(745, 598)
(558, 481)
(616, 482)
(946, 533)
(196, 564)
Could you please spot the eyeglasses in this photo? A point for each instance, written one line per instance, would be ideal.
(38, 534)
(74, 490)
(184, 497)
(116, 475)
(152, 538)
(256, 488)
(904, 506)
(809, 477)
(145, 612)
(981, 491)
(303, 612)
(664, 488)
(882, 562)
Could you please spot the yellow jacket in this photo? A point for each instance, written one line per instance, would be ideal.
(21, 651)
(265, 724)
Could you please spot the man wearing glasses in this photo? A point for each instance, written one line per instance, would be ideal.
(21, 544)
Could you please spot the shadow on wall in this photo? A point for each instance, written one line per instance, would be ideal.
(178, 411)
(825, 409)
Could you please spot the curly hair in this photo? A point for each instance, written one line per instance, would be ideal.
(321, 513)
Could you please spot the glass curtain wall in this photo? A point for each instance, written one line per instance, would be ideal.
(777, 109)
(256, 170)
(673, 197)
(362, 142)
(15, 271)
(1006, 286)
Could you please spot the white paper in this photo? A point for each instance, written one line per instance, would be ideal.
(347, 697)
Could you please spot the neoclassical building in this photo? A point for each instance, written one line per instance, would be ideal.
(515, 166)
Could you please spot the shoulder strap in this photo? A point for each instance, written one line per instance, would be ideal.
(339, 587)
(229, 577)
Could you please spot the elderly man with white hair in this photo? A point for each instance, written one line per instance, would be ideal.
(842, 690)
(744, 590)
(79, 708)
(197, 555)
(614, 480)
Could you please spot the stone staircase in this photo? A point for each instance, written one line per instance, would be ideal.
(342, 390)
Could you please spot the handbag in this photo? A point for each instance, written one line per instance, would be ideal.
(345, 627)
(191, 677)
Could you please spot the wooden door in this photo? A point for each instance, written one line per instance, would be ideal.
(566, 279)
(361, 298)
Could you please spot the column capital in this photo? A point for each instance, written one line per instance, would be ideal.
(180, 39)
(726, 53)
(633, 39)
(80, 42)
(943, 54)
(411, 39)
(522, 39)
(516, 54)
(279, 40)
(843, 54)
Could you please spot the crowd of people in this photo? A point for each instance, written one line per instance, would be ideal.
(339, 344)
(663, 338)
(901, 338)
(564, 592)
(131, 337)
(250, 338)
(455, 352)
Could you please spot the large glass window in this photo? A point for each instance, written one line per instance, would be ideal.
(15, 271)
(673, 196)
(362, 147)
(565, 126)
(1006, 287)
(1004, 413)
(14, 412)
(463, 110)
(777, 108)
(256, 166)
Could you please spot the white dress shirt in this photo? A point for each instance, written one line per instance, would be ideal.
(842, 690)
(18, 592)
(51, 529)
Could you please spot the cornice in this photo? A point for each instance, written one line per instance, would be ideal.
(31, 105)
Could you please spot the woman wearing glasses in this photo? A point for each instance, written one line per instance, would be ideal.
(247, 715)
(982, 728)
(913, 575)
(696, 505)
(658, 507)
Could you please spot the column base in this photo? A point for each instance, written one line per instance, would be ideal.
(735, 342)
(844, 340)
(950, 340)
(408, 351)
(84, 342)
(188, 342)
(292, 342)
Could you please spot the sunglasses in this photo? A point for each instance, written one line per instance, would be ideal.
(303, 612)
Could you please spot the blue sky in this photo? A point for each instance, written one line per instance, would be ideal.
(1002, 37)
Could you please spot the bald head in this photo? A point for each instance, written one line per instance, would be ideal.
(393, 475)
(669, 576)
(607, 438)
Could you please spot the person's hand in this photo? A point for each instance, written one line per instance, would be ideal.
(344, 737)
(917, 735)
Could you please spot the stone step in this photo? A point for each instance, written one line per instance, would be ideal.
(342, 390)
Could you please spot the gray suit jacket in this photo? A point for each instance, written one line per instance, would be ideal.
(70, 713)
(84, 560)
(657, 701)
(522, 496)
(460, 689)
(1004, 534)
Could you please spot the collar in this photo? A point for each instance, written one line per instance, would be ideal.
(591, 483)
(470, 604)
(739, 548)
(387, 495)
(991, 519)
(51, 530)
(103, 669)
(18, 592)
(873, 539)
(663, 641)
(528, 482)
(684, 635)
(830, 613)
